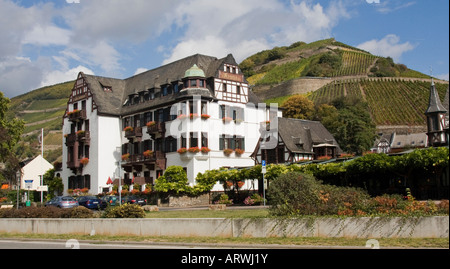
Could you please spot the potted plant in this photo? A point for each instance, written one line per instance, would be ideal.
(150, 123)
(125, 156)
(193, 115)
(205, 116)
(128, 129)
(182, 150)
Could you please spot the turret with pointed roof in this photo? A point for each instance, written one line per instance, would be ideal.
(436, 119)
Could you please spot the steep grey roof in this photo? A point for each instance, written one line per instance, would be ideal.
(434, 104)
(107, 102)
(304, 133)
(171, 72)
(112, 102)
(414, 140)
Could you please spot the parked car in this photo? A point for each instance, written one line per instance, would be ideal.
(133, 199)
(111, 200)
(62, 202)
(91, 202)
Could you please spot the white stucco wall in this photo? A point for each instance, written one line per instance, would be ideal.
(33, 171)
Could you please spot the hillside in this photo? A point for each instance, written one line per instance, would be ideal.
(327, 69)
(42, 108)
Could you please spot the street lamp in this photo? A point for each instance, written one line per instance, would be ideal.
(18, 174)
(119, 158)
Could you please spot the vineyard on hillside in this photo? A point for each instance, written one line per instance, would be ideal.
(354, 63)
(391, 101)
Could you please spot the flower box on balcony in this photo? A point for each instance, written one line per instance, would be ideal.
(205, 116)
(73, 112)
(181, 117)
(84, 161)
(194, 149)
(239, 151)
(125, 156)
(128, 129)
(193, 116)
(205, 150)
(150, 123)
(227, 119)
(148, 153)
(182, 150)
(227, 152)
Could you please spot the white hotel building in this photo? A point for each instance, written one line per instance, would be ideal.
(142, 123)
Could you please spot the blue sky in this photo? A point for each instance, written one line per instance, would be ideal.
(50, 41)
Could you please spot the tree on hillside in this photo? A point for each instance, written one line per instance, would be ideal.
(298, 107)
(354, 129)
(10, 132)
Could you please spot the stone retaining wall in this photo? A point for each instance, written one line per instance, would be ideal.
(363, 227)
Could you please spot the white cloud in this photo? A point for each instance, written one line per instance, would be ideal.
(59, 76)
(46, 35)
(140, 70)
(388, 46)
(19, 75)
(246, 27)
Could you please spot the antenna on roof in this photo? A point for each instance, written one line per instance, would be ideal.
(431, 75)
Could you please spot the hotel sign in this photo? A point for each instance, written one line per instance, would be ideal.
(231, 76)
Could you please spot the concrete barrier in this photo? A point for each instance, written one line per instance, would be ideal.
(363, 227)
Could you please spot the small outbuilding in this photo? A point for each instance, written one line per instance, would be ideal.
(32, 171)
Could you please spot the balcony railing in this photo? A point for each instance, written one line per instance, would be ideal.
(133, 132)
(156, 127)
(77, 115)
(144, 157)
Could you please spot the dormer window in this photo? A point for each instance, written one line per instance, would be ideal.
(194, 77)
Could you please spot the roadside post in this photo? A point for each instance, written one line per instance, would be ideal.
(28, 185)
(263, 171)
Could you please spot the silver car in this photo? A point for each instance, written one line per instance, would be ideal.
(62, 202)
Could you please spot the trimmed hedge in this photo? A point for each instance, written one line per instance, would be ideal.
(47, 212)
(124, 211)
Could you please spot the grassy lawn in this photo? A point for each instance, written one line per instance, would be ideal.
(248, 242)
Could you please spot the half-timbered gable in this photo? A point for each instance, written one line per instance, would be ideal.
(297, 140)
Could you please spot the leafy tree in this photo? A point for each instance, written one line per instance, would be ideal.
(10, 132)
(55, 185)
(354, 129)
(174, 180)
(298, 107)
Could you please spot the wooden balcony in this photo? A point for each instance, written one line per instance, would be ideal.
(136, 161)
(71, 139)
(77, 115)
(158, 127)
(84, 137)
(135, 132)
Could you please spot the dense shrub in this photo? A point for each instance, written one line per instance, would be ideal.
(47, 212)
(124, 211)
(343, 201)
(294, 193)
